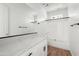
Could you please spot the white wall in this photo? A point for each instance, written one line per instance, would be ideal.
(62, 11)
(41, 15)
(73, 11)
(61, 31)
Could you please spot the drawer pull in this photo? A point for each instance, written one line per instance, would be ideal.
(30, 54)
(74, 24)
(44, 48)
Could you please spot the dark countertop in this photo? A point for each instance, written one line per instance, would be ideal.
(18, 35)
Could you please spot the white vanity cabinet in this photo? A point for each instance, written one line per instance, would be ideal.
(3, 20)
(19, 15)
(40, 49)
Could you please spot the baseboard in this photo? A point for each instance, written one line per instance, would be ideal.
(59, 45)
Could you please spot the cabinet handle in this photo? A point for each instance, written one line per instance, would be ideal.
(74, 24)
(44, 48)
(30, 54)
(22, 27)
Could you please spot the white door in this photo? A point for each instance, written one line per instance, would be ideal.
(3, 20)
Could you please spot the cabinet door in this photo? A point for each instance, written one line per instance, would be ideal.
(3, 20)
(19, 17)
(39, 49)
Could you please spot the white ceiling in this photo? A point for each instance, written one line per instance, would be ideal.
(50, 7)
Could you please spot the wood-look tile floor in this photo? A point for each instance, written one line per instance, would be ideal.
(53, 51)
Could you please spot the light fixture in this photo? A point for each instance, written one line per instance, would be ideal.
(57, 18)
(35, 20)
